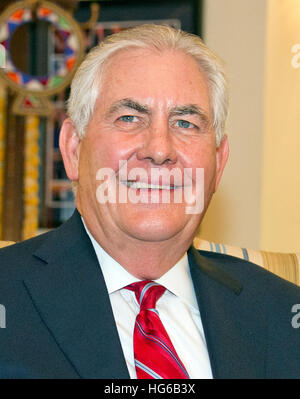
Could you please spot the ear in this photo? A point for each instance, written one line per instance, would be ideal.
(69, 144)
(222, 154)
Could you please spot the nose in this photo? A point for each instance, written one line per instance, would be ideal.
(158, 145)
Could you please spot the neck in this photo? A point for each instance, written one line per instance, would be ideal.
(144, 260)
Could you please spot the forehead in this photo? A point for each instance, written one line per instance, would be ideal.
(166, 77)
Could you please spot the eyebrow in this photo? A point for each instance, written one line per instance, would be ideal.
(130, 104)
(191, 109)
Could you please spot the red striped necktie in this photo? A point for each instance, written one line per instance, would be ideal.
(154, 354)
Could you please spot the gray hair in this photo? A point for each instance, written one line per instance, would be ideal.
(86, 84)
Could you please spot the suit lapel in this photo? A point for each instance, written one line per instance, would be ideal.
(70, 294)
(235, 348)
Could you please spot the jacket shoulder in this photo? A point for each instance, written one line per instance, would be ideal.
(254, 276)
(17, 259)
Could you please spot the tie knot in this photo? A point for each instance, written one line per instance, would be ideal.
(147, 293)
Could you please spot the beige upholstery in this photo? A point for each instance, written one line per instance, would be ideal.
(5, 243)
(284, 265)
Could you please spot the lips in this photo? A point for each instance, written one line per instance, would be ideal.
(160, 179)
(149, 186)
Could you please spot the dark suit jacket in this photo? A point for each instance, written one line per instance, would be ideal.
(59, 322)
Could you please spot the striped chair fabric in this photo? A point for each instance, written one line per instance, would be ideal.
(285, 265)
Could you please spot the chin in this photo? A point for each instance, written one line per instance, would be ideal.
(153, 236)
(155, 229)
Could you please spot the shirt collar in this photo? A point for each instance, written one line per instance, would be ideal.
(176, 280)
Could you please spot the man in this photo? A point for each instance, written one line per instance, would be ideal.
(146, 115)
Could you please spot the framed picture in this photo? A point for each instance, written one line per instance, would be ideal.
(116, 15)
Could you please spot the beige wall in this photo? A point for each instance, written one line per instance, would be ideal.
(280, 216)
(236, 30)
(258, 200)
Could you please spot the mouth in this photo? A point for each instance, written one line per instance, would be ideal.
(138, 185)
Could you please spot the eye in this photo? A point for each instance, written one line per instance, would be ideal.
(128, 118)
(128, 123)
(185, 124)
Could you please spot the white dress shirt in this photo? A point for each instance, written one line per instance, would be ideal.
(177, 307)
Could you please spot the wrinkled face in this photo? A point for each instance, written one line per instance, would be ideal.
(153, 113)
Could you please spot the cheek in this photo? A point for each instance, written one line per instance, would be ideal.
(197, 155)
(96, 154)
(203, 159)
(108, 148)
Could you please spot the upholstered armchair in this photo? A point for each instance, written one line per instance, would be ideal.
(5, 243)
(285, 265)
